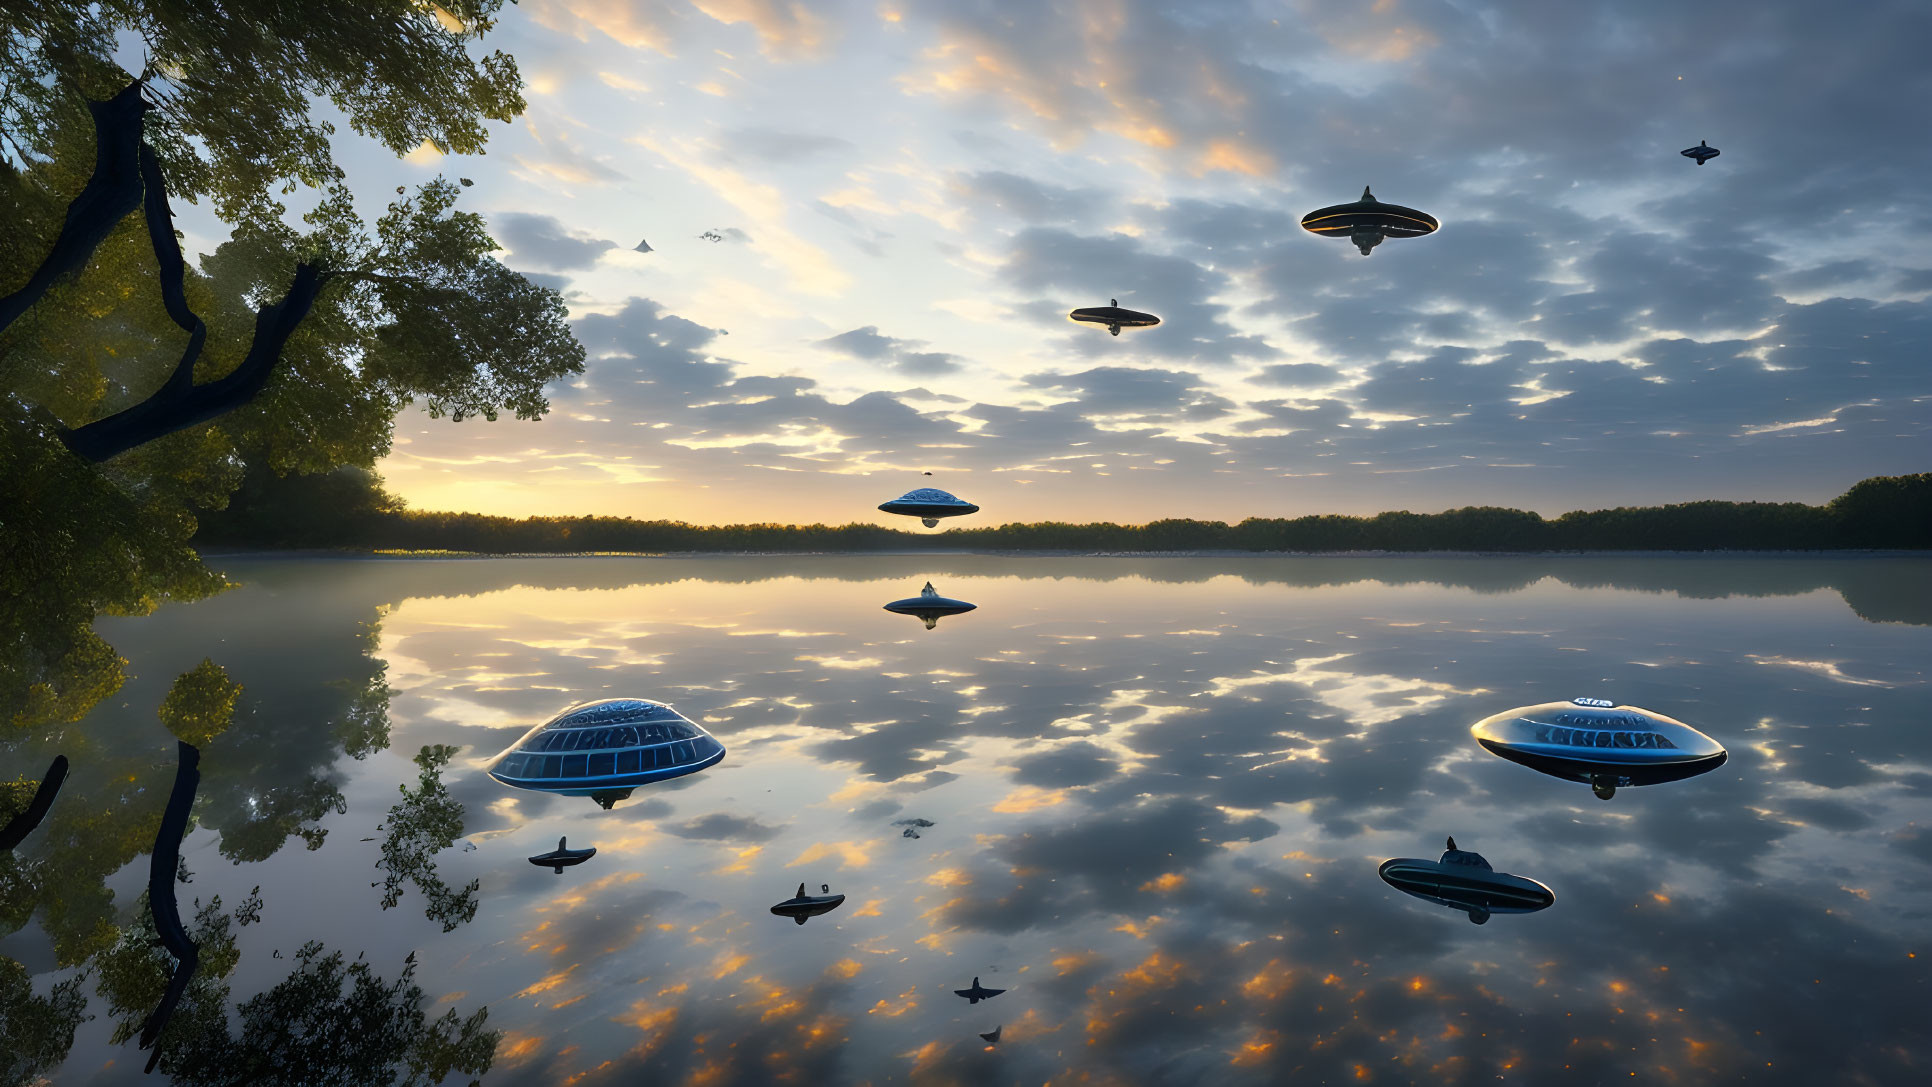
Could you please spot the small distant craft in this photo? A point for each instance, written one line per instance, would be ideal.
(604, 749)
(1703, 152)
(994, 1037)
(1113, 318)
(977, 993)
(1602, 744)
(1368, 221)
(928, 504)
(802, 906)
(1463, 880)
(563, 856)
(930, 606)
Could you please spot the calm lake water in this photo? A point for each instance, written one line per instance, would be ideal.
(1160, 790)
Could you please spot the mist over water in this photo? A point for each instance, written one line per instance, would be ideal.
(1159, 790)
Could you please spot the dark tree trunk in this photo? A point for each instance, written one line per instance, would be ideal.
(112, 192)
(162, 867)
(181, 404)
(23, 824)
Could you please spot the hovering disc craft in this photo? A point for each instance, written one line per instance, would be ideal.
(1702, 153)
(605, 748)
(1113, 318)
(928, 504)
(1366, 222)
(1599, 743)
(1464, 881)
(930, 606)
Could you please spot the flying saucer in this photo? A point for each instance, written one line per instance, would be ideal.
(928, 504)
(1599, 743)
(1703, 152)
(563, 856)
(1113, 318)
(1464, 881)
(606, 747)
(802, 906)
(1367, 221)
(930, 606)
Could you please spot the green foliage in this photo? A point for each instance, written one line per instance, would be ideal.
(410, 307)
(426, 821)
(308, 1031)
(35, 1031)
(201, 704)
(134, 973)
(235, 82)
(1886, 511)
(75, 542)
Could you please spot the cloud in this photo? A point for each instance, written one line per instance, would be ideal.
(786, 30)
(719, 826)
(1084, 270)
(1032, 201)
(638, 24)
(869, 344)
(775, 147)
(543, 241)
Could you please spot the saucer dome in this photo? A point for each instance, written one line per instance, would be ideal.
(1599, 743)
(605, 746)
(928, 504)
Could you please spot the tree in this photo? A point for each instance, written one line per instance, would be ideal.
(291, 346)
(35, 1032)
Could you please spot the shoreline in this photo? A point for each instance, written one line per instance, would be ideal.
(1206, 553)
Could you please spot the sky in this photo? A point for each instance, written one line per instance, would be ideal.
(912, 196)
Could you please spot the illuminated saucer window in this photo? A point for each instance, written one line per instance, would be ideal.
(621, 741)
(930, 494)
(1625, 731)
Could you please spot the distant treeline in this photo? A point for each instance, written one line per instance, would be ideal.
(347, 509)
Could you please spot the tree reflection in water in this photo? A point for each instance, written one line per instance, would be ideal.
(268, 779)
(424, 823)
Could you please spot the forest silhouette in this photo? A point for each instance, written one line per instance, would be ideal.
(348, 509)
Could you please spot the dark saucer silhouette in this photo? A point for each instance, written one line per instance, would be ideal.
(977, 993)
(563, 856)
(1113, 318)
(1703, 152)
(1599, 743)
(1463, 880)
(802, 906)
(930, 606)
(1368, 221)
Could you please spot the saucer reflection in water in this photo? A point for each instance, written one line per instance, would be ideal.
(1464, 881)
(602, 748)
(928, 504)
(802, 906)
(930, 606)
(1601, 744)
(563, 856)
(977, 993)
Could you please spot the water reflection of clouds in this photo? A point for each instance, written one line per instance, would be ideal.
(1173, 830)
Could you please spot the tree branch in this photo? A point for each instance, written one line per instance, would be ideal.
(179, 405)
(112, 191)
(167, 257)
